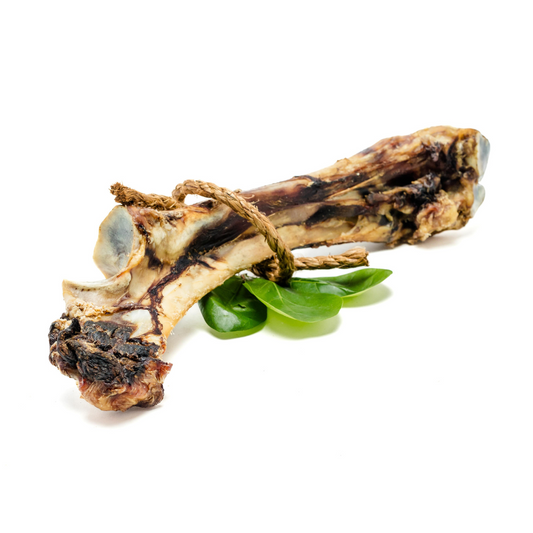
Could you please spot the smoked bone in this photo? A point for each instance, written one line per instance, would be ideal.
(158, 263)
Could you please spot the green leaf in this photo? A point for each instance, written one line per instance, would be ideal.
(230, 307)
(345, 285)
(310, 305)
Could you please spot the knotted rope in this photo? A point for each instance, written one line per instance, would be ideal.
(278, 268)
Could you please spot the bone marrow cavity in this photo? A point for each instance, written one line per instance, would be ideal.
(115, 243)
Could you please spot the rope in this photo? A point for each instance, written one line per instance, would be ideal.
(279, 268)
(126, 196)
(355, 257)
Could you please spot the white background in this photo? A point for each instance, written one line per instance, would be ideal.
(410, 411)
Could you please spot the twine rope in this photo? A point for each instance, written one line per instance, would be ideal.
(278, 268)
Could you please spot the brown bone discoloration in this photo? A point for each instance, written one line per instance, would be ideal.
(401, 190)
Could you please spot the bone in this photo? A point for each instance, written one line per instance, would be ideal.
(158, 261)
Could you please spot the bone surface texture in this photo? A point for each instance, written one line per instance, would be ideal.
(160, 258)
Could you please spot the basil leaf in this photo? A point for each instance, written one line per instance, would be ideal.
(230, 307)
(310, 305)
(345, 285)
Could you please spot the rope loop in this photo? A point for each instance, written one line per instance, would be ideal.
(282, 268)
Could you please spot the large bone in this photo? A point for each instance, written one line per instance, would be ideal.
(158, 263)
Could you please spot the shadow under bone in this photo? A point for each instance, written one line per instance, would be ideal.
(95, 416)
